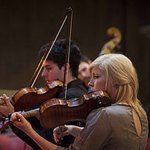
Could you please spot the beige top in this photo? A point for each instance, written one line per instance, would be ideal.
(111, 128)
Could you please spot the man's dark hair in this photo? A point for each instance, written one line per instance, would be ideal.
(59, 52)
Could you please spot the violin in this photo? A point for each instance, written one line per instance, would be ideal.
(59, 111)
(32, 97)
(56, 112)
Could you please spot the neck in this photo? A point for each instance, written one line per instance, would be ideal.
(70, 78)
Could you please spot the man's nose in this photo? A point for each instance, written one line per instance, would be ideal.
(43, 74)
(84, 74)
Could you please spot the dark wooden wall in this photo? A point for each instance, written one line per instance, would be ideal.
(25, 25)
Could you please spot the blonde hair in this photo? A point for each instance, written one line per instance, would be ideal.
(120, 73)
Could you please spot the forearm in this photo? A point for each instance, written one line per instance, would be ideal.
(22, 135)
(41, 142)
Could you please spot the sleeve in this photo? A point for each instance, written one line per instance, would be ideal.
(47, 134)
(25, 137)
(100, 134)
(61, 148)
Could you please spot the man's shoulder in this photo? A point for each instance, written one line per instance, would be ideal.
(76, 86)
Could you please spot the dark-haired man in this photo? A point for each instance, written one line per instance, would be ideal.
(54, 69)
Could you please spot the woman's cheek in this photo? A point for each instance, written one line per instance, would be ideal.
(100, 86)
(97, 87)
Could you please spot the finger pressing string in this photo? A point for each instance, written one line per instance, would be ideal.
(19, 116)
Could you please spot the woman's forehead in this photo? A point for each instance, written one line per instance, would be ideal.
(97, 69)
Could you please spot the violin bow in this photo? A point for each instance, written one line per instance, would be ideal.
(45, 56)
(70, 14)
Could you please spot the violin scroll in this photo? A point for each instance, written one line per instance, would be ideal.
(115, 34)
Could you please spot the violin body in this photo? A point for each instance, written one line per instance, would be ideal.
(56, 112)
(29, 97)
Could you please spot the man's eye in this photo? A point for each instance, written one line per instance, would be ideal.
(84, 69)
(48, 68)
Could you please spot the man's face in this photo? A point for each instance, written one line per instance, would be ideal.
(51, 72)
(84, 73)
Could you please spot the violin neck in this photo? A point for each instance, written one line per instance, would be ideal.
(7, 122)
(30, 113)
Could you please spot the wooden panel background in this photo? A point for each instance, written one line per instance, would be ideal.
(26, 25)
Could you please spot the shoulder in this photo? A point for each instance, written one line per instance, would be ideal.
(107, 114)
(76, 89)
(77, 84)
(116, 108)
(113, 111)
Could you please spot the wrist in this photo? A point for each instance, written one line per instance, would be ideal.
(76, 131)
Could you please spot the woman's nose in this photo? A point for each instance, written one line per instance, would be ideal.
(90, 84)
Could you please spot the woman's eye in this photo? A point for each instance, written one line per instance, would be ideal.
(96, 76)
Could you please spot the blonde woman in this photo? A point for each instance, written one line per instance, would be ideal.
(121, 126)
